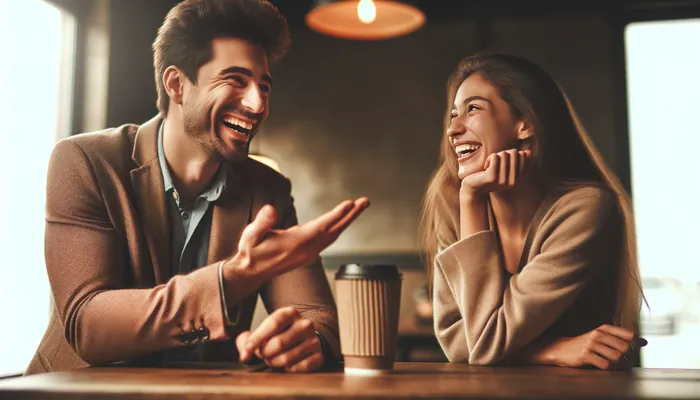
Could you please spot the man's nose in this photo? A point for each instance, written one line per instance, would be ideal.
(253, 99)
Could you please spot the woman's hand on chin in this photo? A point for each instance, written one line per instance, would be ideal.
(502, 171)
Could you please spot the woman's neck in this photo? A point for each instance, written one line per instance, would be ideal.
(514, 209)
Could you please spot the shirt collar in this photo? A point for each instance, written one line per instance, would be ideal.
(211, 194)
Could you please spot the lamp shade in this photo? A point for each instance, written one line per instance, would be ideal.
(364, 19)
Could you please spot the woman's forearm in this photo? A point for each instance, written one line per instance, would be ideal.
(542, 351)
(473, 217)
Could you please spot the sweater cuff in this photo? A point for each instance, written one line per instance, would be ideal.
(474, 251)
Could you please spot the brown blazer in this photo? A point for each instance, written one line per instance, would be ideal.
(566, 284)
(107, 248)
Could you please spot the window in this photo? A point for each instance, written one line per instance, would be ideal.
(36, 41)
(663, 81)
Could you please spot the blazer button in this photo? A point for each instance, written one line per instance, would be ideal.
(185, 337)
(203, 333)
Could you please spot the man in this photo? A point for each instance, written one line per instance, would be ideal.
(148, 253)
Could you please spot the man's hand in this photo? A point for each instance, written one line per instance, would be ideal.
(264, 252)
(283, 340)
(605, 347)
(501, 171)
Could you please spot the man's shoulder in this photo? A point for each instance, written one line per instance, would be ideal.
(267, 179)
(110, 143)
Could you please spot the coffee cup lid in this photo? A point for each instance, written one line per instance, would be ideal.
(378, 272)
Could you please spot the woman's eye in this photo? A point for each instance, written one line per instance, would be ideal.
(471, 108)
(453, 116)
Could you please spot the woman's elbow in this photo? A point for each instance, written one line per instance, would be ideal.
(463, 356)
(454, 352)
(486, 358)
(482, 361)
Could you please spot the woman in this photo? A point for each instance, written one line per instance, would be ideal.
(531, 235)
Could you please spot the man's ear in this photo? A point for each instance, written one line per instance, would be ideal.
(174, 83)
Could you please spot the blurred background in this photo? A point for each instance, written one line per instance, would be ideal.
(354, 116)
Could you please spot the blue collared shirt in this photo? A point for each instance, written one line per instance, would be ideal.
(190, 233)
(189, 238)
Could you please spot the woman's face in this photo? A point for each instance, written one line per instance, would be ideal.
(481, 124)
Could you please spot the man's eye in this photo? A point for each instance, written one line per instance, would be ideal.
(453, 116)
(264, 88)
(471, 108)
(237, 79)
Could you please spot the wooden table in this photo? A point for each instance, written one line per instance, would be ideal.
(409, 380)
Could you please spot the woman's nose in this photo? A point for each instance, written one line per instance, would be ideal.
(455, 128)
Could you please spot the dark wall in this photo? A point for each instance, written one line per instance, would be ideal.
(132, 89)
(354, 118)
(365, 118)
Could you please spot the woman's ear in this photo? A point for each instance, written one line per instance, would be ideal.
(525, 130)
(525, 135)
(173, 82)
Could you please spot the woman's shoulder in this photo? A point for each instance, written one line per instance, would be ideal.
(583, 205)
(584, 197)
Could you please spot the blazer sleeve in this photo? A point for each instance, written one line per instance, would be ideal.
(482, 318)
(85, 258)
(306, 289)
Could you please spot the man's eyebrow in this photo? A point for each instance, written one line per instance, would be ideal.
(244, 71)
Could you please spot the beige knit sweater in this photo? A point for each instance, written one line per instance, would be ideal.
(565, 285)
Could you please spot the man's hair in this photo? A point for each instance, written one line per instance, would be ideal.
(185, 38)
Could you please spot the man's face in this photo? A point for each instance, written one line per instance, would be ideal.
(224, 110)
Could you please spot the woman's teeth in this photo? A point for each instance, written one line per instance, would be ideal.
(464, 150)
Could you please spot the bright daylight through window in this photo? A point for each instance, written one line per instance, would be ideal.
(663, 81)
(34, 74)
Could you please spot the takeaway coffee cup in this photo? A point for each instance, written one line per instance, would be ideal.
(368, 298)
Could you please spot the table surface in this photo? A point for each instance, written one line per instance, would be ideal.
(408, 380)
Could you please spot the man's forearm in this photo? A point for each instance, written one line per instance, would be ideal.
(122, 324)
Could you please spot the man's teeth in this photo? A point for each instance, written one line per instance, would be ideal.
(464, 149)
(237, 122)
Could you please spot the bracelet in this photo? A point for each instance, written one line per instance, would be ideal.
(227, 320)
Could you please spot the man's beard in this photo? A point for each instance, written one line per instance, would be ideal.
(200, 129)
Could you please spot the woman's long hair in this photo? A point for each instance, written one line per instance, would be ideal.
(562, 152)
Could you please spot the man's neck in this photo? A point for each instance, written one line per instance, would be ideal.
(514, 209)
(192, 169)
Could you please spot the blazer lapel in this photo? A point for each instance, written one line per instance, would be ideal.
(232, 212)
(147, 180)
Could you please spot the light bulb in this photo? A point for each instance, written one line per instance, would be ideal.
(366, 11)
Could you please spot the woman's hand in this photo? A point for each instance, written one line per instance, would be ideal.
(501, 171)
(606, 347)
